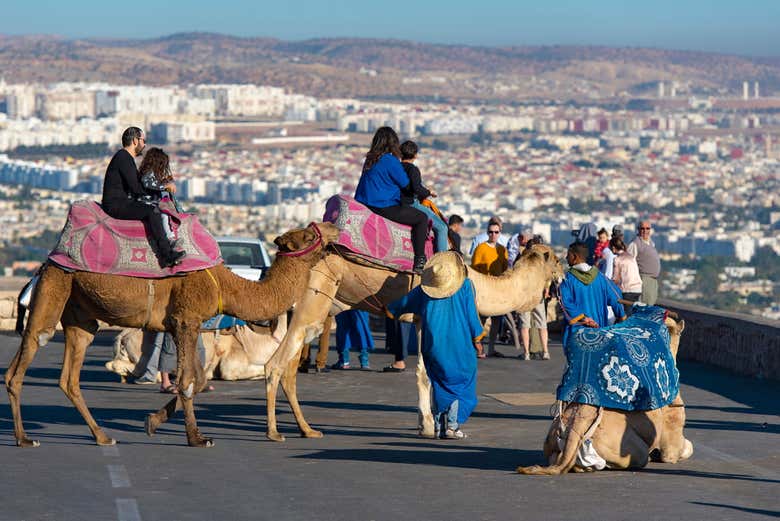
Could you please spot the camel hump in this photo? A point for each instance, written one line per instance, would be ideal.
(92, 241)
(628, 366)
(370, 238)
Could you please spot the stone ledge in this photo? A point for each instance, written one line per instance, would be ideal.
(744, 344)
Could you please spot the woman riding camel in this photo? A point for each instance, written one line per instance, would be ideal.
(380, 187)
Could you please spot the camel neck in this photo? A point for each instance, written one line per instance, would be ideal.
(268, 298)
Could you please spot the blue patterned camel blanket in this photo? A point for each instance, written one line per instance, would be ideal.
(221, 322)
(626, 366)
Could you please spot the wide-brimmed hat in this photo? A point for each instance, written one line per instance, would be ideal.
(443, 275)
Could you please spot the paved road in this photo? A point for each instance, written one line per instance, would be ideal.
(370, 465)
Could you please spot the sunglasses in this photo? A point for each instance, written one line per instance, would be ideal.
(645, 228)
(491, 232)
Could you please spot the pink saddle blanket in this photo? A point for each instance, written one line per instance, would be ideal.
(93, 241)
(372, 237)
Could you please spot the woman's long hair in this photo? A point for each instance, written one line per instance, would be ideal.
(157, 161)
(385, 142)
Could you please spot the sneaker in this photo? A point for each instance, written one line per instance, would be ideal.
(523, 356)
(340, 366)
(456, 434)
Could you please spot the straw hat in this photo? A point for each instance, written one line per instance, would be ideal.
(443, 275)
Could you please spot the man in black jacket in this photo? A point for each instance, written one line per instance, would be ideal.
(122, 191)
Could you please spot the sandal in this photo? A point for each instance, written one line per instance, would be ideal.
(393, 369)
(171, 389)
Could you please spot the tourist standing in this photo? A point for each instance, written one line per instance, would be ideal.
(649, 262)
(490, 258)
(625, 273)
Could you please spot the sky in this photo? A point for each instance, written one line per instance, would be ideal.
(747, 27)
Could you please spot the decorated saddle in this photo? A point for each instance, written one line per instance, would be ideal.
(370, 237)
(93, 241)
(626, 366)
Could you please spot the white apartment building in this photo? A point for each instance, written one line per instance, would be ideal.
(184, 131)
(244, 100)
(137, 100)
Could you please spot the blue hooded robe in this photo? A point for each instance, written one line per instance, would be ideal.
(449, 328)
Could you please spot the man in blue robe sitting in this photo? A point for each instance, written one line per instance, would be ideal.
(585, 293)
(445, 303)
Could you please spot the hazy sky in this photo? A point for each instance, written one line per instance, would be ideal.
(741, 27)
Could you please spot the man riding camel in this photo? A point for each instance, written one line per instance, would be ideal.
(123, 192)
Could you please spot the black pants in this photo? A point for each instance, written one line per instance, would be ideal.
(152, 218)
(411, 217)
(633, 297)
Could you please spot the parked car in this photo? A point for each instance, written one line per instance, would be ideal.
(246, 257)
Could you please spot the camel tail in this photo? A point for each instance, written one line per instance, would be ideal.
(20, 312)
(568, 456)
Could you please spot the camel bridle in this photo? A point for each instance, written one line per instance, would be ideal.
(316, 244)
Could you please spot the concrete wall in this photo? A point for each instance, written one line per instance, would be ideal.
(8, 308)
(745, 344)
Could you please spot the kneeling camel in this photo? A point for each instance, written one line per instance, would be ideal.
(623, 439)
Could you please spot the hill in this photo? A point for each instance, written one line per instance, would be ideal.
(381, 68)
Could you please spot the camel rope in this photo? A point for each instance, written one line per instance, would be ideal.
(219, 291)
(378, 305)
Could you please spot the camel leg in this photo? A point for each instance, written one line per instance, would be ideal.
(77, 339)
(156, 419)
(579, 419)
(43, 318)
(290, 390)
(190, 377)
(513, 328)
(425, 411)
(307, 321)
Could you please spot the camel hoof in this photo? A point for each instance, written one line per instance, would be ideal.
(425, 434)
(106, 442)
(312, 434)
(202, 443)
(274, 436)
(27, 442)
(529, 470)
(150, 425)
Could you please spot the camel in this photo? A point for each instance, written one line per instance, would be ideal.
(237, 353)
(337, 284)
(623, 439)
(175, 304)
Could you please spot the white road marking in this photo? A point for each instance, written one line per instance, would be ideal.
(118, 475)
(127, 510)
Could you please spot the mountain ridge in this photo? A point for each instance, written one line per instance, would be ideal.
(332, 66)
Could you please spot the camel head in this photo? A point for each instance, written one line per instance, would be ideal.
(315, 236)
(676, 327)
(544, 254)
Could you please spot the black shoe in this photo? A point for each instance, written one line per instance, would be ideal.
(320, 370)
(419, 264)
(173, 258)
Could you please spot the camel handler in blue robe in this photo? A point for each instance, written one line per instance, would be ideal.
(445, 303)
(585, 293)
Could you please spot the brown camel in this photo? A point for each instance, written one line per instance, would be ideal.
(337, 284)
(175, 304)
(623, 439)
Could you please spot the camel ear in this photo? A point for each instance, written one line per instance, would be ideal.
(546, 256)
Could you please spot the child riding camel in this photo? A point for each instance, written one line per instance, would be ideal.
(380, 187)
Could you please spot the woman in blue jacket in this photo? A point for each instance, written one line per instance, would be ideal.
(380, 186)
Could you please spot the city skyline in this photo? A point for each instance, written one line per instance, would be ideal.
(725, 27)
